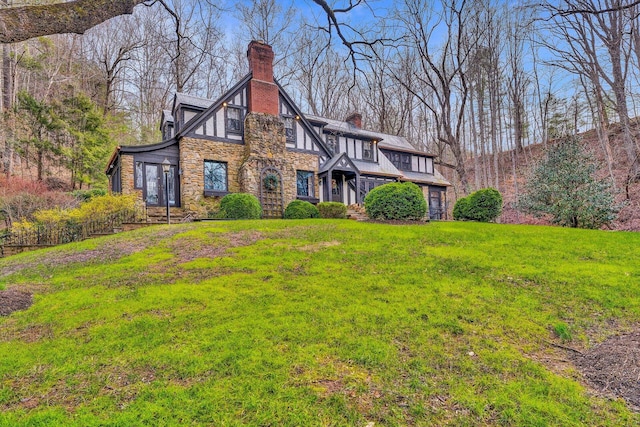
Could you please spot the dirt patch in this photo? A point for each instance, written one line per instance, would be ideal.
(13, 300)
(613, 367)
(185, 250)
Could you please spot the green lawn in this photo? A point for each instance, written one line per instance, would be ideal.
(317, 323)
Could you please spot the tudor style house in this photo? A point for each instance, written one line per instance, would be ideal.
(255, 139)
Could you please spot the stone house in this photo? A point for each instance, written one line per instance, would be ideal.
(255, 139)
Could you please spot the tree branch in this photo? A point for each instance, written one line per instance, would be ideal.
(77, 16)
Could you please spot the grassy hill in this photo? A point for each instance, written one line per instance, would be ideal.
(318, 323)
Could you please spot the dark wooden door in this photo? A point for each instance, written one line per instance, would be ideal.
(336, 190)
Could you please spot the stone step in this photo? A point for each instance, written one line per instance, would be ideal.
(356, 214)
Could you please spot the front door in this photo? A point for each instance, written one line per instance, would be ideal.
(336, 189)
(155, 187)
(435, 205)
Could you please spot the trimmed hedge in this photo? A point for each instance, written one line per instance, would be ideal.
(483, 205)
(332, 210)
(396, 201)
(240, 206)
(300, 209)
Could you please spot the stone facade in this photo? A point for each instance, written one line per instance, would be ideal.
(127, 177)
(193, 153)
(264, 146)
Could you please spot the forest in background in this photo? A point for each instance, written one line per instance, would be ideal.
(474, 83)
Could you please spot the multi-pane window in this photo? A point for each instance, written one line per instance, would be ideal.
(289, 128)
(215, 176)
(304, 183)
(405, 162)
(400, 160)
(332, 143)
(234, 120)
(367, 150)
(139, 176)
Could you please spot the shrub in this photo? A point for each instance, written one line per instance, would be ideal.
(460, 209)
(95, 208)
(564, 188)
(300, 209)
(483, 205)
(401, 201)
(86, 195)
(20, 198)
(240, 206)
(332, 210)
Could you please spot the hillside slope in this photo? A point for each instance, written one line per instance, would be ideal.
(322, 323)
(629, 217)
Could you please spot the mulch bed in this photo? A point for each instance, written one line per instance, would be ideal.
(13, 300)
(613, 367)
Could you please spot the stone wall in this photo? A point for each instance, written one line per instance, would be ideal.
(265, 146)
(193, 153)
(127, 177)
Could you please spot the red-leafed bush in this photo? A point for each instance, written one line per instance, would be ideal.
(20, 198)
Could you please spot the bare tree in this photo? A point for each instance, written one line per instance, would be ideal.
(439, 79)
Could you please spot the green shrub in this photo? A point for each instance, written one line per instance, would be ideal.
(332, 210)
(460, 209)
(401, 201)
(86, 195)
(565, 188)
(240, 206)
(300, 209)
(483, 205)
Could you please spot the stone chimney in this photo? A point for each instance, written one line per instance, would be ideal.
(355, 120)
(263, 92)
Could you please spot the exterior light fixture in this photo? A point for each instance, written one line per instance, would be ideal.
(166, 167)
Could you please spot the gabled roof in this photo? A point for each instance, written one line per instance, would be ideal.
(196, 121)
(167, 116)
(190, 100)
(341, 162)
(319, 141)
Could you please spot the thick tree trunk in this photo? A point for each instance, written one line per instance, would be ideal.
(23, 23)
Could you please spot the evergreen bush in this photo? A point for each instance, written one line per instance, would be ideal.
(240, 206)
(300, 209)
(484, 205)
(564, 188)
(396, 201)
(332, 210)
(460, 209)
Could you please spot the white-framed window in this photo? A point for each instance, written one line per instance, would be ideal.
(289, 128)
(332, 143)
(234, 120)
(367, 150)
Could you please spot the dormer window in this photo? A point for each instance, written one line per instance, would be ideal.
(289, 128)
(367, 150)
(234, 120)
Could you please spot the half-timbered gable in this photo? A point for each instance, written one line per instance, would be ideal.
(254, 135)
(222, 119)
(301, 134)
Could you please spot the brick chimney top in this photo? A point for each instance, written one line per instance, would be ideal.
(354, 119)
(260, 57)
(263, 91)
